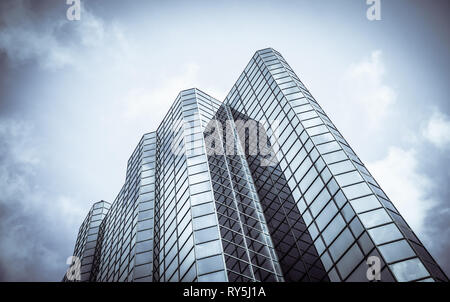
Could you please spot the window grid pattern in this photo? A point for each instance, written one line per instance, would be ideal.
(339, 200)
(127, 227)
(298, 256)
(182, 182)
(87, 242)
(315, 214)
(248, 248)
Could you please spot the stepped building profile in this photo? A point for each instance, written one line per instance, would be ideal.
(259, 187)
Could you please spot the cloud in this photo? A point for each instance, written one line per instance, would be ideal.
(438, 230)
(414, 180)
(38, 216)
(437, 130)
(36, 224)
(364, 89)
(140, 103)
(143, 102)
(49, 38)
(31, 38)
(409, 189)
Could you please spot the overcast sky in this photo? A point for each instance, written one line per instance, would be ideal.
(76, 96)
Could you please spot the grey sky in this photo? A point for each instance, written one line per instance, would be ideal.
(75, 97)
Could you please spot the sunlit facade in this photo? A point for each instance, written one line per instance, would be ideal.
(209, 197)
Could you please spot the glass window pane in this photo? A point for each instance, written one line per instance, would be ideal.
(313, 190)
(334, 157)
(326, 215)
(312, 122)
(214, 277)
(201, 198)
(308, 179)
(323, 138)
(300, 173)
(341, 244)
(341, 167)
(374, 218)
(204, 221)
(208, 249)
(210, 264)
(349, 178)
(409, 270)
(326, 260)
(206, 234)
(333, 229)
(385, 233)
(319, 202)
(203, 209)
(317, 130)
(350, 260)
(365, 203)
(200, 177)
(196, 160)
(201, 187)
(357, 190)
(396, 251)
(328, 147)
(307, 115)
(198, 168)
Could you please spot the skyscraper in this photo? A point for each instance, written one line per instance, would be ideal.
(261, 187)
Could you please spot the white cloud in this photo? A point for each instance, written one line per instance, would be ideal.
(365, 90)
(437, 130)
(408, 189)
(155, 102)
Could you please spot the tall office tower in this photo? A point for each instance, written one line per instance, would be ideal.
(87, 245)
(261, 187)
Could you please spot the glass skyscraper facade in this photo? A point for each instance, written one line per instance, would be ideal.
(259, 187)
(88, 244)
